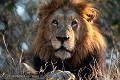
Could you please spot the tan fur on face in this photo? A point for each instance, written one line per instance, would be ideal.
(81, 43)
(68, 44)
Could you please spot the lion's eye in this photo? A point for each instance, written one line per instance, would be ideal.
(55, 22)
(74, 23)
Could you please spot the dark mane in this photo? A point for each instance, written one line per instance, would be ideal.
(83, 7)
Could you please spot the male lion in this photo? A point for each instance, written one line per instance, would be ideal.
(68, 37)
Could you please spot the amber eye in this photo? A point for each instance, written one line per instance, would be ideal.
(55, 22)
(74, 23)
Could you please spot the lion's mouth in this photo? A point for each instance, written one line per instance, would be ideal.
(62, 48)
(62, 53)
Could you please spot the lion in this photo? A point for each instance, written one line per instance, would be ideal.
(68, 37)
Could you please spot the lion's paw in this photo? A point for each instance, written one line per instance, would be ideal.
(59, 75)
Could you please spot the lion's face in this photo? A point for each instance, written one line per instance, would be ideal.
(63, 25)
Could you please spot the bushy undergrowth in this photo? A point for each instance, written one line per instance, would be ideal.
(16, 70)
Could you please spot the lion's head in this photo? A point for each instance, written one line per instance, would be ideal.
(66, 30)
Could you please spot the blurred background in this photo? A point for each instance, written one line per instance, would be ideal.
(18, 22)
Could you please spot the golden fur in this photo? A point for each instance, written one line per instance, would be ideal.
(90, 39)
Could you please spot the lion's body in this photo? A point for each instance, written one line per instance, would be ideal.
(67, 37)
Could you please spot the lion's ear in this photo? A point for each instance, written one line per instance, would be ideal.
(89, 13)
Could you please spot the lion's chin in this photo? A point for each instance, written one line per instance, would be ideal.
(63, 54)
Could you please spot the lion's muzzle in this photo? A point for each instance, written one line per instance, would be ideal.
(63, 43)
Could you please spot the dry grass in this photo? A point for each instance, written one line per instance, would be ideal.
(15, 70)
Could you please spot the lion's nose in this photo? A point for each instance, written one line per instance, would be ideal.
(62, 39)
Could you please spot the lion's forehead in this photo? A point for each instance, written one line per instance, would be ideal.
(65, 14)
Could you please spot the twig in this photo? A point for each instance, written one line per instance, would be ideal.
(20, 61)
(63, 68)
(7, 49)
